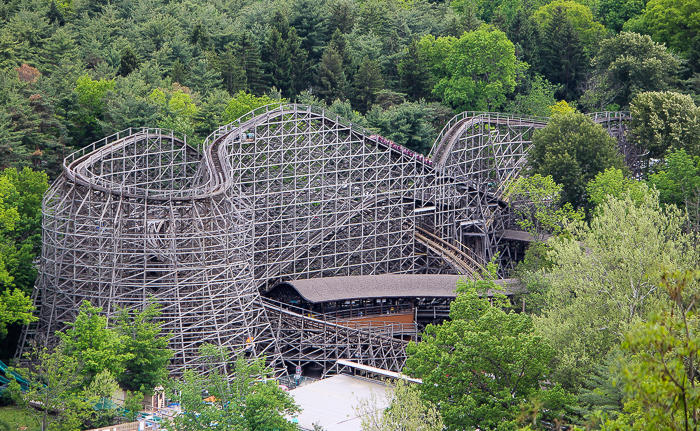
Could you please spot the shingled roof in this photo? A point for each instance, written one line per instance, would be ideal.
(386, 286)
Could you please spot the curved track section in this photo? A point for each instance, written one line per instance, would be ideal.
(131, 220)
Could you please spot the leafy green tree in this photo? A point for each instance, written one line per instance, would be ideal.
(598, 283)
(247, 398)
(147, 347)
(133, 405)
(675, 24)
(662, 377)
(613, 14)
(58, 381)
(476, 71)
(406, 411)
(90, 342)
(678, 183)
(243, 103)
(479, 366)
(368, 82)
(99, 394)
(536, 202)
(536, 101)
(612, 184)
(629, 64)
(406, 124)
(665, 120)
(177, 108)
(573, 150)
(90, 92)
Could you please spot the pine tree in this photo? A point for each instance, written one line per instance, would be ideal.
(368, 81)
(340, 44)
(414, 73)
(232, 72)
(128, 62)
(276, 56)
(309, 20)
(331, 76)
(248, 54)
(54, 15)
(342, 16)
(299, 63)
(563, 57)
(525, 36)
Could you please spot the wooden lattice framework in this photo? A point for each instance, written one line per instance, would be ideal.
(283, 193)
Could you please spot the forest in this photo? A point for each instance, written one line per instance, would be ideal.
(609, 337)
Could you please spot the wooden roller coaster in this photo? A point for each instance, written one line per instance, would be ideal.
(284, 193)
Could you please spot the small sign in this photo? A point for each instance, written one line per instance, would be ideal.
(297, 376)
(298, 369)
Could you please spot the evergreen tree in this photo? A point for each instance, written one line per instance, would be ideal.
(368, 81)
(276, 55)
(342, 16)
(309, 18)
(414, 72)
(331, 76)
(340, 44)
(232, 71)
(199, 36)
(128, 62)
(248, 54)
(54, 15)
(563, 57)
(525, 36)
(299, 65)
(60, 46)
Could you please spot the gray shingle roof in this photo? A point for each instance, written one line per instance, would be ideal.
(386, 286)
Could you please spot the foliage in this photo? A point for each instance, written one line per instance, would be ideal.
(146, 346)
(59, 381)
(626, 65)
(675, 23)
(90, 92)
(482, 364)
(474, 72)
(571, 38)
(536, 101)
(90, 342)
(247, 399)
(243, 103)
(663, 121)
(537, 204)
(612, 184)
(406, 411)
(20, 221)
(598, 287)
(132, 405)
(662, 378)
(678, 183)
(573, 150)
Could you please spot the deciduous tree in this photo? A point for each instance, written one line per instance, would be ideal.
(573, 150)
(599, 285)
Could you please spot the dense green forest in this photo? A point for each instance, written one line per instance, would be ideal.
(608, 339)
(75, 71)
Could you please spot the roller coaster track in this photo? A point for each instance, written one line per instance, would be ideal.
(458, 259)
